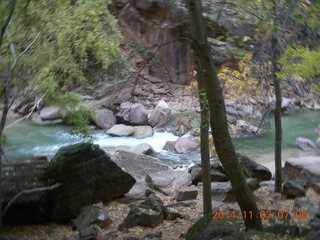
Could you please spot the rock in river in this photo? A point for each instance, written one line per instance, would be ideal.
(121, 130)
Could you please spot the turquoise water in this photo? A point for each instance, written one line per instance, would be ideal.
(26, 139)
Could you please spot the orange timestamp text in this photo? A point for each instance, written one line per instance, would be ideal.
(264, 214)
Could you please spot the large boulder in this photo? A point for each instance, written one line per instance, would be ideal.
(142, 132)
(293, 189)
(87, 175)
(142, 148)
(185, 144)
(133, 113)
(160, 114)
(252, 169)
(105, 119)
(304, 169)
(121, 130)
(50, 113)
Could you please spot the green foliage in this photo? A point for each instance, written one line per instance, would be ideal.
(301, 62)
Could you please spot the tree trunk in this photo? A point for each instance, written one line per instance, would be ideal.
(204, 147)
(218, 119)
(277, 88)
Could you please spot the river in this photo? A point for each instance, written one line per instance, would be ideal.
(26, 139)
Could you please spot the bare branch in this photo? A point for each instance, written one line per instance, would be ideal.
(29, 191)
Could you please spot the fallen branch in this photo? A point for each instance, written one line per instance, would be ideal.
(29, 191)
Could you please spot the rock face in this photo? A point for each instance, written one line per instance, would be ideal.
(306, 144)
(87, 175)
(50, 113)
(133, 113)
(121, 130)
(252, 169)
(185, 144)
(304, 169)
(160, 114)
(105, 119)
(155, 22)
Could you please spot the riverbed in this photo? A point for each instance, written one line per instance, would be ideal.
(26, 139)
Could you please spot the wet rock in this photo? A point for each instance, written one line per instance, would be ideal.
(169, 146)
(185, 144)
(133, 113)
(92, 214)
(149, 213)
(181, 127)
(142, 132)
(167, 182)
(252, 169)
(39, 121)
(50, 113)
(186, 193)
(105, 119)
(121, 130)
(293, 189)
(303, 169)
(305, 144)
(142, 148)
(160, 114)
(87, 175)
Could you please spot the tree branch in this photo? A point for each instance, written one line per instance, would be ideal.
(29, 191)
(4, 27)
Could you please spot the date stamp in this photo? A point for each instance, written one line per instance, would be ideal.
(263, 214)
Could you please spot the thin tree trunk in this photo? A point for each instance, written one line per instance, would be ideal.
(218, 120)
(204, 148)
(277, 88)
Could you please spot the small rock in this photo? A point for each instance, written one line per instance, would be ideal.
(170, 214)
(293, 189)
(185, 144)
(142, 132)
(169, 146)
(154, 235)
(186, 193)
(121, 130)
(89, 233)
(142, 148)
(92, 214)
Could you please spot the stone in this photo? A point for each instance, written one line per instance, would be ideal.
(171, 214)
(304, 169)
(181, 127)
(293, 189)
(246, 127)
(169, 146)
(305, 144)
(185, 144)
(316, 106)
(133, 113)
(105, 119)
(167, 182)
(195, 132)
(315, 222)
(89, 233)
(252, 169)
(87, 175)
(92, 214)
(186, 193)
(149, 213)
(286, 102)
(216, 176)
(142, 148)
(223, 191)
(160, 114)
(50, 113)
(154, 235)
(39, 121)
(121, 130)
(142, 132)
